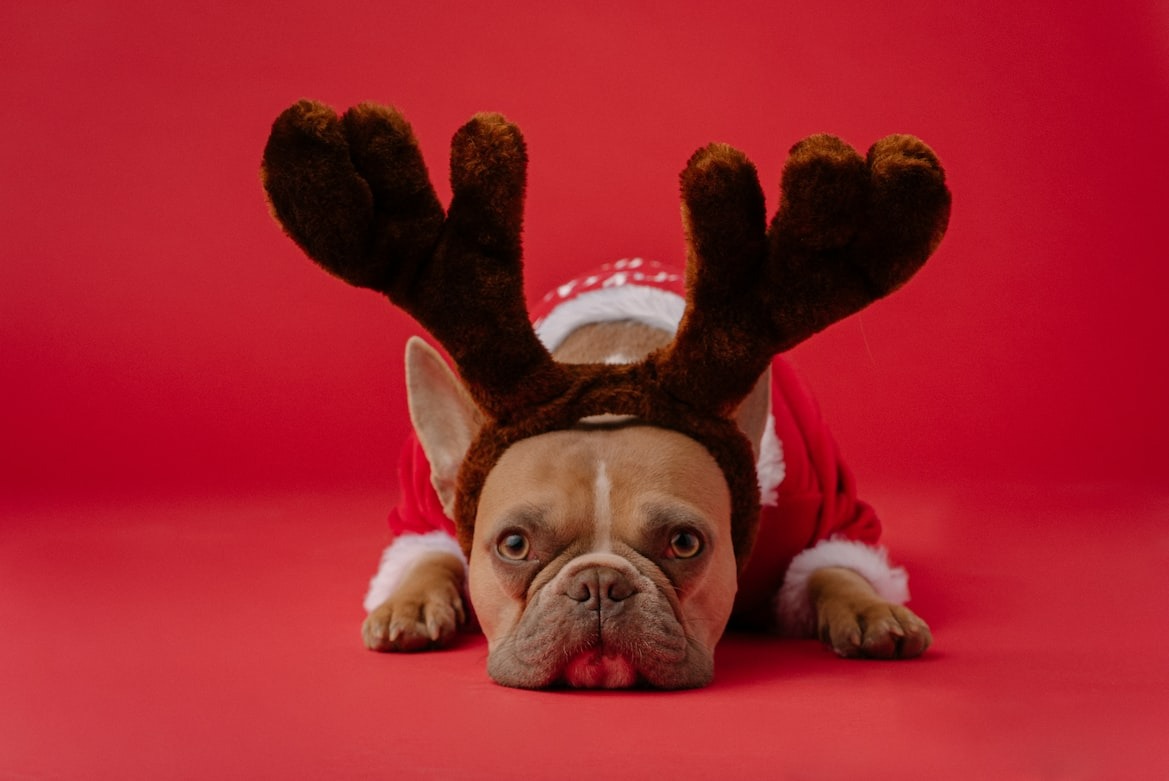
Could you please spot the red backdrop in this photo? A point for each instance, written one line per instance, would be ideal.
(160, 337)
(158, 330)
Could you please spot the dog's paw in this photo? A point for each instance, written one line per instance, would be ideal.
(415, 620)
(878, 630)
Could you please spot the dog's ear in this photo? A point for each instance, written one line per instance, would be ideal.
(753, 413)
(444, 417)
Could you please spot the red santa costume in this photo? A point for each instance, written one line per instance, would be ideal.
(811, 516)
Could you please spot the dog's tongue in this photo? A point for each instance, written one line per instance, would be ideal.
(593, 669)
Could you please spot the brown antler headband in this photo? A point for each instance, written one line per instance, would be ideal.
(354, 193)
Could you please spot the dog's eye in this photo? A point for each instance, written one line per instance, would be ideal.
(513, 546)
(685, 544)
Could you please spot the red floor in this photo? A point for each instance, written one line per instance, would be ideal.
(185, 400)
(218, 638)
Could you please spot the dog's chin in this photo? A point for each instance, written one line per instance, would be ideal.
(595, 669)
(599, 666)
(560, 640)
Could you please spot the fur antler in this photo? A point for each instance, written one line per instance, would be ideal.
(354, 193)
(848, 231)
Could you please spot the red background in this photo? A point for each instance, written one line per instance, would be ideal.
(199, 427)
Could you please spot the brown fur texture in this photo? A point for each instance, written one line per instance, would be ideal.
(630, 337)
(354, 193)
(425, 612)
(856, 622)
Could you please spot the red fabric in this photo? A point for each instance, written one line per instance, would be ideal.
(628, 271)
(817, 498)
(418, 510)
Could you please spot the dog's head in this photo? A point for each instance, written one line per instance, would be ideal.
(354, 193)
(602, 555)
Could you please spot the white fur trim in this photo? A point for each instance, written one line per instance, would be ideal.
(621, 298)
(792, 604)
(770, 469)
(400, 556)
(628, 301)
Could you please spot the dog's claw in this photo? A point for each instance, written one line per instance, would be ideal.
(896, 633)
(406, 625)
(441, 620)
(879, 630)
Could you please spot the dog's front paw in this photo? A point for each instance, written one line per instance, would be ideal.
(877, 630)
(415, 620)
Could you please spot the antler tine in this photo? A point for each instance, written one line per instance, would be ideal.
(848, 231)
(472, 300)
(355, 194)
(717, 355)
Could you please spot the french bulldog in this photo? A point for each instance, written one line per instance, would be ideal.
(611, 485)
(601, 555)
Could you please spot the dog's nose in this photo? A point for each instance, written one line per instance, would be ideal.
(596, 586)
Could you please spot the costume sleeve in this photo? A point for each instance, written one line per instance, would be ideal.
(815, 466)
(843, 515)
(418, 510)
(417, 523)
(847, 530)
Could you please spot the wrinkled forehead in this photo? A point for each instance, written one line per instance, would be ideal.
(631, 463)
(662, 446)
